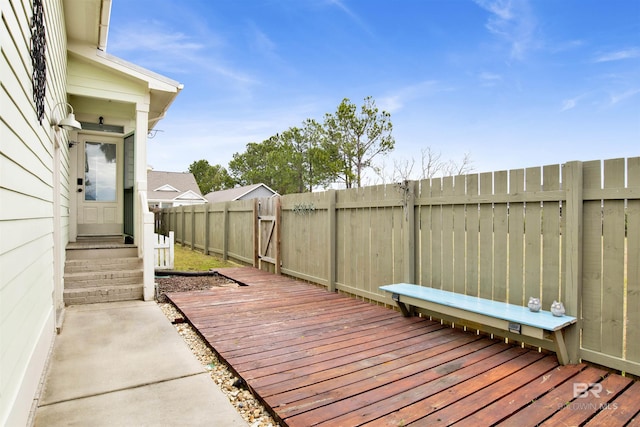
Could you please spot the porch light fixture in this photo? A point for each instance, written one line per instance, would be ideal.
(69, 122)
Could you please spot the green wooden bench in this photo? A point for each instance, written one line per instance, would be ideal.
(484, 314)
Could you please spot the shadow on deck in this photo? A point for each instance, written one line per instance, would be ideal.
(319, 358)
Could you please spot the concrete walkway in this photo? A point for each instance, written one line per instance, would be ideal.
(124, 364)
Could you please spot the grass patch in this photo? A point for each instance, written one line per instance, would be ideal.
(187, 260)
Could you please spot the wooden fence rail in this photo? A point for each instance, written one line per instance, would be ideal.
(566, 232)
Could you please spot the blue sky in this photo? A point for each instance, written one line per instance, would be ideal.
(512, 83)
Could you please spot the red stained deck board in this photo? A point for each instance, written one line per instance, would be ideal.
(520, 398)
(370, 389)
(544, 407)
(319, 358)
(360, 341)
(621, 410)
(468, 405)
(324, 380)
(580, 410)
(385, 399)
(357, 360)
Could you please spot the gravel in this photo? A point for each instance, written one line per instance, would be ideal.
(245, 403)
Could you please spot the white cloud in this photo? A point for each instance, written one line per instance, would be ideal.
(501, 8)
(614, 99)
(619, 55)
(216, 135)
(261, 41)
(152, 37)
(513, 22)
(390, 103)
(397, 100)
(159, 48)
(489, 79)
(569, 104)
(565, 46)
(342, 6)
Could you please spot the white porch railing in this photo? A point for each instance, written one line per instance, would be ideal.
(144, 229)
(163, 252)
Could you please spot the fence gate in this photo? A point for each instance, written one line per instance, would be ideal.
(268, 219)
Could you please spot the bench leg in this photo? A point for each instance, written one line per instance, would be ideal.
(406, 312)
(561, 348)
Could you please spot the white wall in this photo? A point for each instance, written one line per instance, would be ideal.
(34, 201)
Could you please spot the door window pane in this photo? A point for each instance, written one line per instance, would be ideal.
(100, 176)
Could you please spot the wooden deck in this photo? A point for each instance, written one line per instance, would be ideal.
(319, 358)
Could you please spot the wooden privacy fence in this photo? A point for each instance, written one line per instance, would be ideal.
(223, 229)
(562, 232)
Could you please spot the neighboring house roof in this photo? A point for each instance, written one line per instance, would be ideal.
(240, 193)
(167, 186)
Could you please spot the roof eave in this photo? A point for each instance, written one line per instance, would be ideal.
(162, 89)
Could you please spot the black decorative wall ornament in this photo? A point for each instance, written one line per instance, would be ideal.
(303, 208)
(38, 57)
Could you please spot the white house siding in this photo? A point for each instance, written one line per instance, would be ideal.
(34, 202)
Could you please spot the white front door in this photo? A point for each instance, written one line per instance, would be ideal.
(99, 185)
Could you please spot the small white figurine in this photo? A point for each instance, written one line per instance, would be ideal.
(534, 304)
(557, 309)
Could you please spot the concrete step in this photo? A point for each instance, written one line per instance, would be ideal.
(102, 264)
(102, 269)
(116, 251)
(94, 295)
(104, 279)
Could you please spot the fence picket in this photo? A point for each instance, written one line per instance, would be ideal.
(486, 238)
(533, 237)
(448, 236)
(425, 237)
(459, 238)
(341, 249)
(551, 236)
(633, 266)
(473, 232)
(516, 239)
(500, 238)
(592, 260)
(381, 258)
(613, 261)
(436, 236)
(370, 237)
(398, 221)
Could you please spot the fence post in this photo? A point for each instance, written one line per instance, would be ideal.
(408, 231)
(207, 229)
(278, 218)
(183, 224)
(255, 233)
(172, 253)
(573, 264)
(174, 216)
(193, 226)
(331, 250)
(225, 231)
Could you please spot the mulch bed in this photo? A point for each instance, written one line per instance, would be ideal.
(167, 284)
